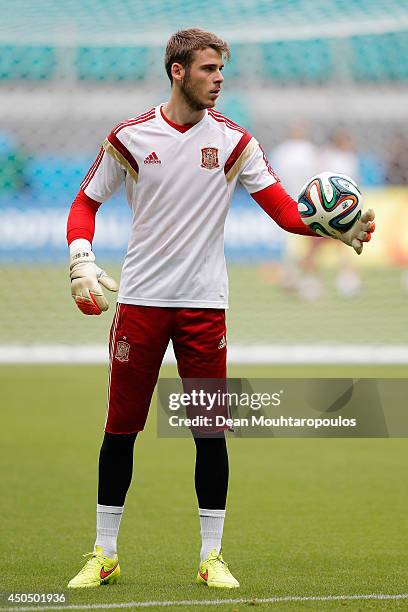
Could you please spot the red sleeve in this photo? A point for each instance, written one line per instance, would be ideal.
(81, 218)
(283, 209)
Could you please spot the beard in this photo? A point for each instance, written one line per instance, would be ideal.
(190, 94)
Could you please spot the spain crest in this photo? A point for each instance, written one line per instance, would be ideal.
(122, 350)
(209, 158)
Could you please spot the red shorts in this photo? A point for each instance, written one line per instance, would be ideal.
(138, 340)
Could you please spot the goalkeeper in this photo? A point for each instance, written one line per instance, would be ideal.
(180, 163)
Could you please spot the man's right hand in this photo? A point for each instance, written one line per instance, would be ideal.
(86, 281)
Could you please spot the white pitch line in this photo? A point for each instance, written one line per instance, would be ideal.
(207, 602)
(255, 354)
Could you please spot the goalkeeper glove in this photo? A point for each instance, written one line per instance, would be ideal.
(86, 281)
(360, 232)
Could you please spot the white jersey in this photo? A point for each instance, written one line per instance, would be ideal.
(179, 187)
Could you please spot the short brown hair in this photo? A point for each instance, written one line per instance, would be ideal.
(181, 46)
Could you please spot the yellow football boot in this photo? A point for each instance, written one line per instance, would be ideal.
(97, 570)
(214, 572)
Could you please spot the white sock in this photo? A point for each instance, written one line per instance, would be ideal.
(212, 525)
(107, 527)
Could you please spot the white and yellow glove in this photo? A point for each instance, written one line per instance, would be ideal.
(87, 279)
(360, 232)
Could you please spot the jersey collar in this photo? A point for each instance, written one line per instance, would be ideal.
(166, 125)
(180, 128)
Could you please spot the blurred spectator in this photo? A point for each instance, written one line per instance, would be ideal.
(397, 170)
(295, 160)
(12, 165)
(397, 174)
(337, 156)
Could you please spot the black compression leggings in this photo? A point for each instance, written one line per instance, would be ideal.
(211, 472)
(116, 469)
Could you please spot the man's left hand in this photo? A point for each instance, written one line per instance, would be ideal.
(360, 232)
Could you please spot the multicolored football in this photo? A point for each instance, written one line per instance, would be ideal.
(330, 203)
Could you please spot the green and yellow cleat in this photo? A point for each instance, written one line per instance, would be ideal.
(214, 572)
(97, 570)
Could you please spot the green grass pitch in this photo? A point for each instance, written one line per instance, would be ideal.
(309, 517)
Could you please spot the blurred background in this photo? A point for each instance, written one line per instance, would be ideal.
(322, 84)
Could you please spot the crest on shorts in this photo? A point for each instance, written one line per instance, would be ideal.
(122, 350)
(209, 158)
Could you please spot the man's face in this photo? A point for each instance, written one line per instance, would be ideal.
(201, 83)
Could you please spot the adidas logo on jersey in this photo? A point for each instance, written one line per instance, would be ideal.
(223, 343)
(152, 159)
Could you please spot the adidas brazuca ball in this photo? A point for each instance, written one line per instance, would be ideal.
(330, 204)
